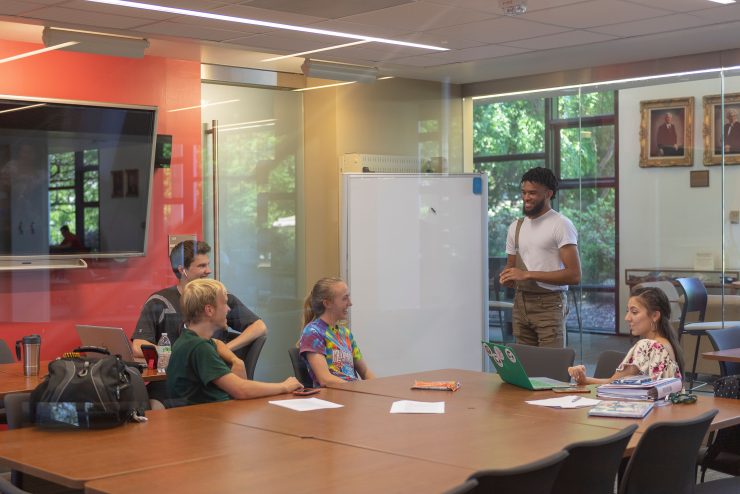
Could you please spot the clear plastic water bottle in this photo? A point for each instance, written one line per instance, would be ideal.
(164, 349)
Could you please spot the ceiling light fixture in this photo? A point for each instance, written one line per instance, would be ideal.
(723, 2)
(38, 52)
(255, 22)
(97, 43)
(324, 86)
(335, 47)
(339, 71)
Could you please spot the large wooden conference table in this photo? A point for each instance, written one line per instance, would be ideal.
(230, 445)
(12, 379)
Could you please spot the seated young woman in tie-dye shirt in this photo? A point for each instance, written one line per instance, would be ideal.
(327, 346)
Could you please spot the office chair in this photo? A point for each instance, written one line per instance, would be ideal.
(592, 466)
(725, 339)
(678, 444)
(723, 451)
(252, 354)
(533, 478)
(299, 368)
(467, 487)
(6, 487)
(545, 362)
(694, 300)
(607, 363)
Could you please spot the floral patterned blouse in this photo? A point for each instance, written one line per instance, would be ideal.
(652, 359)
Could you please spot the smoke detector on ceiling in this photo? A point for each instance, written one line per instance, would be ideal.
(513, 7)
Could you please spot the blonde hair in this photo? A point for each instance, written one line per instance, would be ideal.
(313, 306)
(196, 295)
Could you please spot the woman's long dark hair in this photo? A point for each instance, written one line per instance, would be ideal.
(655, 300)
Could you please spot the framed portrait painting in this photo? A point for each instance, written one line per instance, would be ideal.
(667, 132)
(721, 130)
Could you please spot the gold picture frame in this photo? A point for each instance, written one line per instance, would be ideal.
(714, 120)
(667, 132)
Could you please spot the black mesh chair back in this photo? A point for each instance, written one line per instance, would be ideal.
(607, 363)
(592, 465)
(664, 461)
(299, 368)
(723, 453)
(534, 478)
(725, 339)
(467, 487)
(545, 362)
(252, 354)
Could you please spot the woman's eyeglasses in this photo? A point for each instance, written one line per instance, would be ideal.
(681, 398)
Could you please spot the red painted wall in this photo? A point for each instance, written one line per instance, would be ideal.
(110, 292)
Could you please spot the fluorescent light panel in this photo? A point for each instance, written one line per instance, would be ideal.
(39, 52)
(97, 43)
(723, 2)
(255, 22)
(335, 47)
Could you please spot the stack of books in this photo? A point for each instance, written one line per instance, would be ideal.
(627, 409)
(640, 389)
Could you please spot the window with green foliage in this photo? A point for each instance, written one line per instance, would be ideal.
(74, 188)
(575, 136)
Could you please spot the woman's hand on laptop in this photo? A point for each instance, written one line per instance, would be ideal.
(578, 373)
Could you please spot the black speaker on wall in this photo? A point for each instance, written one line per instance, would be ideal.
(163, 151)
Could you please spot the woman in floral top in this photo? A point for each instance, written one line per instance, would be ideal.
(658, 353)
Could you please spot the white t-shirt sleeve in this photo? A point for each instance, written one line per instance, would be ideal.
(510, 245)
(565, 233)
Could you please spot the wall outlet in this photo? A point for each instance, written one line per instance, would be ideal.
(735, 217)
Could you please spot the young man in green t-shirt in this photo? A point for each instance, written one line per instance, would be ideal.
(203, 369)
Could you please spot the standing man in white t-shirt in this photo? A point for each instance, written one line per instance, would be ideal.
(542, 251)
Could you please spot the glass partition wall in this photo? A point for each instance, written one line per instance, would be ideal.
(253, 147)
(647, 172)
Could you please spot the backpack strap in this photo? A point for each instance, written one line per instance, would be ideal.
(526, 285)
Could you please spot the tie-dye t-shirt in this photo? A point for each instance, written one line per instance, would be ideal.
(335, 343)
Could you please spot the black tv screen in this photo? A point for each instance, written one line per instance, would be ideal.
(74, 178)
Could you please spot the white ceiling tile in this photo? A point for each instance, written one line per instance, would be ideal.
(722, 13)
(676, 5)
(18, 7)
(268, 15)
(651, 26)
(498, 30)
(458, 56)
(189, 31)
(570, 38)
(361, 29)
(101, 8)
(418, 16)
(492, 6)
(595, 13)
(328, 9)
(439, 40)
(92, 19)
(284, 45)
(375, 52)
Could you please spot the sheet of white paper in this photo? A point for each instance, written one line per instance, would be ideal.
(407, 406)
(567, 401)
(305, 404)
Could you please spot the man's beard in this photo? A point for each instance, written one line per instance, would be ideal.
(536, 209)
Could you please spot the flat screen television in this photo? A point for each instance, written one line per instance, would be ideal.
(75, 178)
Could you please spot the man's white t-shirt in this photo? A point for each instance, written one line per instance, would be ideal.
(540, 240)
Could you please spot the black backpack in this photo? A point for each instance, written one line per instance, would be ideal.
(89, 393)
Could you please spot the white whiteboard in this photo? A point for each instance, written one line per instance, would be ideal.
(414, 252)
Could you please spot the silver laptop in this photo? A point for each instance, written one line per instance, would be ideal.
(113, 339)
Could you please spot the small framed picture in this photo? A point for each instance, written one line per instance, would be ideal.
(667, 132)
(721, 130)
(117, 183)
(132, 183)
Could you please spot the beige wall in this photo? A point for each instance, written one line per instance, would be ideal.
(380, 118)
